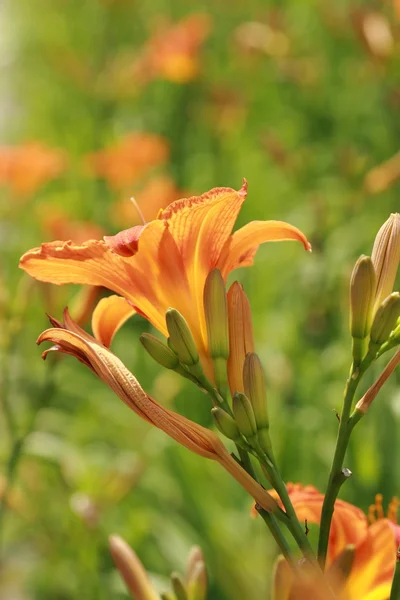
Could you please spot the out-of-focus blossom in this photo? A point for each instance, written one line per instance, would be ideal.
(157, 193)
(254, 36)
(172, 53)
(375, 32)
(164, 263)
(361, 557)
(129, 159)
(26, 168)
(383, 176)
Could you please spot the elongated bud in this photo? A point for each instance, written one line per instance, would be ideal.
(362, 298)
(181, 337)
(216, 311)
(385, 319)
(244, 415)
(131, 570)
(255, 388)
(241, 339)
(225, 424)
(196, 575)
(386, 257)
(178, 586)
(159, 351)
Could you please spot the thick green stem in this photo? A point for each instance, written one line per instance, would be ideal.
(395, 591)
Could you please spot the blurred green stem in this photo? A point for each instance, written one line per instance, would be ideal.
(395, 591)
(337, 474)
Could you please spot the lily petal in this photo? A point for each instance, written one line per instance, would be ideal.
(242, 246)
(108, 316)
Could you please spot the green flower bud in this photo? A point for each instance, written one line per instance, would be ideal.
(362, 298)
(159, 351)
(386, 257)
(244, 415)
(197, 584)
(255, 388)
(178, 586)
(181, 338)
(225, 424)
(385, 320)
(216, 312)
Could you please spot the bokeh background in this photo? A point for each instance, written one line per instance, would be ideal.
(101, 100)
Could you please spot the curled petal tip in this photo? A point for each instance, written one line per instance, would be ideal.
(308, 246)
(243, 189)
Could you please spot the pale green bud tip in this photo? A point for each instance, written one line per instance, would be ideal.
(225, 424)
(181, 338)
(385, 320)
(244, 415)
(216, 312)
(255, 388)
(362, 297)
(197, 585)
(159, 351)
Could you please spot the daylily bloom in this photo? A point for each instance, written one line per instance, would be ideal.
(129, 159)
(162, 264)
(69, 338)
(372, 552)
(27, 167)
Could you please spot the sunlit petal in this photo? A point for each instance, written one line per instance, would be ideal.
(108, 316)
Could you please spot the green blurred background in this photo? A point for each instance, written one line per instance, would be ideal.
(300, 97)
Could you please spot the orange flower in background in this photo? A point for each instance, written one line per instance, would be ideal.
(26, 168)
(69, 338)
(173, 51)
(162, 264)
(158, 193)
(129, 159)
(370, 551)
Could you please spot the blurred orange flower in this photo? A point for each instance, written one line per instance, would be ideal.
(162, 264)
(27, 167)
(173, 51)
(158, 193)
(361, 558)
(129, 159)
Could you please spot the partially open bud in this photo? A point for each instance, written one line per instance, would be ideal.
(385, 320)
(244, 415)
(216, 311)
(386, 257)
(225, 424)
(241, 339)
(255, 388)
(181, 337)
(159, 351)
(362, 297)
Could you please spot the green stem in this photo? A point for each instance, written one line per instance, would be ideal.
(395, 591)
(338, 475)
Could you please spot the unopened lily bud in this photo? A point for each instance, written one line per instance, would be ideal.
(159, 351)
(178, 586)
(197, 584)
(181, 337)
(386, 257)
(385, 320)
(241, 339)
(244, 415)
(216, 312)
(131, 570)
(362, 297)
(225, 424)
(255, 388)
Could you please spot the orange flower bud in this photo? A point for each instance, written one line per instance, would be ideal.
(386, 257)
(241, 339)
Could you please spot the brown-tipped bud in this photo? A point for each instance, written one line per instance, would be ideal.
(181, 338)
(241, 339)
(244, 415)
(131, 570)
(216, 312)
(196, 575)
(225, 424)
(159, 351)
(386, 257)
(255, 388)
(362, 297)
(178, 586)
(385, 320)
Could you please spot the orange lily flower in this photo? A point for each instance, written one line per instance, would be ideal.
(371, 567)
(27, 167)
(162, 264)
(69, 338)
(129, 159)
